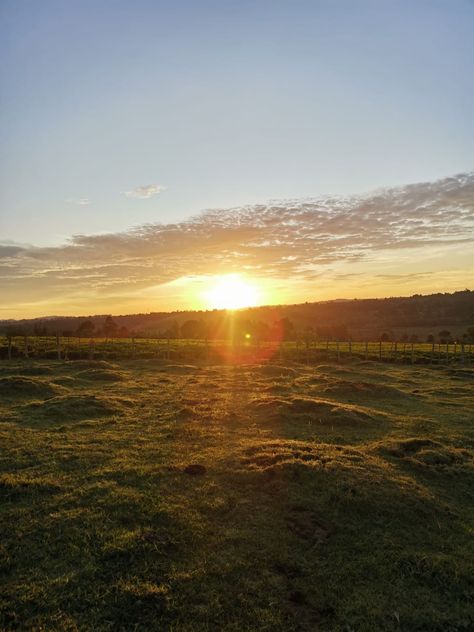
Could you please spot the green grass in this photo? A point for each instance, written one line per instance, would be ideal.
(332, 497)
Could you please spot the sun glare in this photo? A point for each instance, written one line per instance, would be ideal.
(232, 292)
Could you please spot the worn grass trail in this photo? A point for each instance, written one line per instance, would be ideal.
(146, 496)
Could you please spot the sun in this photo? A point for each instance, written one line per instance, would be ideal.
(231, 292)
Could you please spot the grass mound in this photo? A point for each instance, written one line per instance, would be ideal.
(19, 386)
(101, 375)
(319, 410)
(64, 380)
(463, 374)
(424, 451)
(92, 364)
(180, 368)
(71, 407)
(406, 447)
(274, 370)
(35, 369)
(346, 388)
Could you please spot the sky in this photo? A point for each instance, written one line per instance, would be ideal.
(151, 149)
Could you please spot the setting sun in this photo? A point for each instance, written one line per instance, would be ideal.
(231, 292)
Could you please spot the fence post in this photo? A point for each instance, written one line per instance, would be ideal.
(412, 353)
(432, 352)
(58, 346)
(91, 348)
(395, 352)
(380, 350)
(366, 350)
(337, 349)
(9, 347)
(462, 352)
(350, 349)
(25, 348)
(447, 352)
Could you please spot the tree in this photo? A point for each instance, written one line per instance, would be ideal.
(285, 327)
(110, 327)
(385, 337)
(86, 328)
(192, 329)
(444, 336)
(469, 335)
(430, 338)
(172, 330)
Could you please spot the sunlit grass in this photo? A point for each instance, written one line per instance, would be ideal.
(330, 497)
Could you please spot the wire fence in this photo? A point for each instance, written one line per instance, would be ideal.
(239, 351)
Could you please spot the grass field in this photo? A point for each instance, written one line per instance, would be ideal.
(142, 494)
(240, 351)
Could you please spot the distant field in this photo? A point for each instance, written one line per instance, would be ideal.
(156, 493)
(243, 351)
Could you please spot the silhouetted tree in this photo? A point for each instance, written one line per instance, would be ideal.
(444, 336)
(85, 329)
(110, 327)
(192, 329)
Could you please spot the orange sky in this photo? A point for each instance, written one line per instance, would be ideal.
(414, 239)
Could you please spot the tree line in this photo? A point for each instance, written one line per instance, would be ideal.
(222, 326)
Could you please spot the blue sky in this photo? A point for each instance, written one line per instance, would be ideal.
(222, 104)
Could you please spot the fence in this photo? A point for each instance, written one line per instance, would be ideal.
(241, 351)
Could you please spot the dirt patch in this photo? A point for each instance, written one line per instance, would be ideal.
(19, 386)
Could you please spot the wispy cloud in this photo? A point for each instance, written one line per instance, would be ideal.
(145, 191)
(82, 201)
(299, 240)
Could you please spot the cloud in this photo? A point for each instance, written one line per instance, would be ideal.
(388, 232)
(83, 201)
(7, 251)
(145, 191)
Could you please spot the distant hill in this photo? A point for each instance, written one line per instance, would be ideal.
(359, 319)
